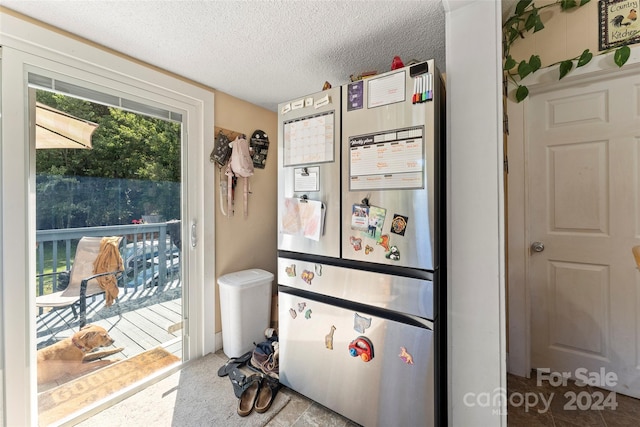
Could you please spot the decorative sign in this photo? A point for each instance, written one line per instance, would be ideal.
(387, 160)
(309, 140)
(619, 24)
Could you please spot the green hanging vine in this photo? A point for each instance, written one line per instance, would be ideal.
(526, 18)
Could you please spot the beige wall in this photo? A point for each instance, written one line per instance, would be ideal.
(247, 242)
(565, 34)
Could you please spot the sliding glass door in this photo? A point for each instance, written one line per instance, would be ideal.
(104, 175)
(100, 169)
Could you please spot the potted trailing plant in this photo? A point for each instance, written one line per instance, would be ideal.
(526, 18)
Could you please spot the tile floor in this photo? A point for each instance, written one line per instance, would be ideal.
(557, 412)
(302, 412)
(563, 403)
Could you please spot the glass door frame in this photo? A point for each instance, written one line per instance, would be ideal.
(94, 68)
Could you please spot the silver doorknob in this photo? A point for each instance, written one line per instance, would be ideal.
(537, 246)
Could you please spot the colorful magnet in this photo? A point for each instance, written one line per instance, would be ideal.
(301, 306)
(360, 217)
(307, 314)
(384, 242)
(375, 221)
(406, 357)
(328, 339)
(368, 249)
(293, 313)
(318, 268)
(307, 276)
(361, 323)
(362, 347)
(291, 270)
(356, 243)
(394, 254)
(399, 224)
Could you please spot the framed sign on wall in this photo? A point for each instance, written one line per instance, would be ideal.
(619, 24)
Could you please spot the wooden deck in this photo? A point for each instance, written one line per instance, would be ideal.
(138, 321)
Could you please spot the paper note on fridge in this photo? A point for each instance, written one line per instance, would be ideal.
(304, 218)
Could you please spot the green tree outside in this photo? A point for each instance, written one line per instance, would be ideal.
(132, 170)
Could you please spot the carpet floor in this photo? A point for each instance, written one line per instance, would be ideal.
(193, 396)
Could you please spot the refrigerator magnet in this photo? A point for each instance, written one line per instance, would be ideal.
(399, 224)
(328, 339)
(355, 95)
(360, 217)
(368, 249)
(356, 243)
(394, 254)
(291, 270)
(405, 356)
(384, 242)
(360, 323)
(301, 306)
(307, 276)
(293, 313)
(375, 221)
(362, 347)
(307, 314)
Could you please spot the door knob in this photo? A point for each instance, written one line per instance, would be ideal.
(537, 247)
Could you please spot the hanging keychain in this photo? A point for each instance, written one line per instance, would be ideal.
(223, 192)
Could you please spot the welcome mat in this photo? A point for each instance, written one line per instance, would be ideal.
(61, 401)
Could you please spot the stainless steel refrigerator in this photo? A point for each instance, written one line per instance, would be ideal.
(361, 246)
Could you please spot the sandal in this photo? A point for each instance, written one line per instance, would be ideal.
(234, 362)
(266, 394)
(238, 380)
(249, 394)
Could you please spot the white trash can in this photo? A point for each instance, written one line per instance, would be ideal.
(245, 309)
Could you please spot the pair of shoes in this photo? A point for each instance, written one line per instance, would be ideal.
(249, 394)
(267, 394)
(258, 393)
(232, 363)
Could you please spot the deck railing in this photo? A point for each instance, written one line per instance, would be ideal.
(151, 255)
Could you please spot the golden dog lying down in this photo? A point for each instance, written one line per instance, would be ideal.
(73, 357)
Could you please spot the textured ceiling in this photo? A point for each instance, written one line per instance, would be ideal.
(264, 52)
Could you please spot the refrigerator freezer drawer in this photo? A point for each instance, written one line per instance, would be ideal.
(394, 388)
(387, 291)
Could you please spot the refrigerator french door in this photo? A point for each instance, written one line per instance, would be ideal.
(309, 174)
(361, 286)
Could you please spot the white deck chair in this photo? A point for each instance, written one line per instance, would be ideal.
(82, 283)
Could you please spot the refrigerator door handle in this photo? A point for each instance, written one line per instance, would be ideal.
(406, 318)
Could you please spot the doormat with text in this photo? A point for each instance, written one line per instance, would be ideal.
(62, 401)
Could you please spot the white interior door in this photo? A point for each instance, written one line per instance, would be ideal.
(583, 153)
